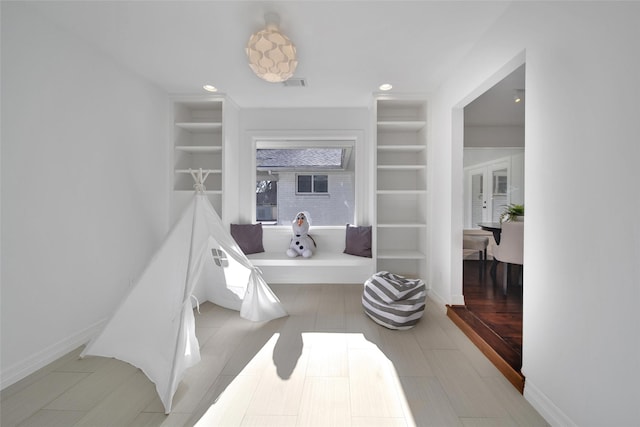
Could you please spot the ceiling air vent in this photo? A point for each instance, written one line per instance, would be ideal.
(295, 82)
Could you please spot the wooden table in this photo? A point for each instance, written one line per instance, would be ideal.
(494, 227)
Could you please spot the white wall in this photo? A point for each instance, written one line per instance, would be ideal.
(84, 187)
(475, 156)
(494, 136)
(581, 348)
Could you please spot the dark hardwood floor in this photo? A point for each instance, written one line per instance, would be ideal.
(491, 319)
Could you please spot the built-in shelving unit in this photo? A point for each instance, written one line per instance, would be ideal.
(401, 186)
(199, 133)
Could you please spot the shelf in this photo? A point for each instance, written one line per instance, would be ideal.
(400, 148)
(198, 140)
(199, 148)
(188, 172)
(382, 254)
(199, 126)
(193, 191)
(401, 192)
(402, 167)
(184, 182)
(401, 125)
(402, 225)
(401, 183)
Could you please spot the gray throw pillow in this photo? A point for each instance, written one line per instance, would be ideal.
(358, 241)
(248, 237)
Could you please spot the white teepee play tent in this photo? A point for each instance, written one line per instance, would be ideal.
(154, 326)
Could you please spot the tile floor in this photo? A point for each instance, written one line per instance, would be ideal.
(326, 364)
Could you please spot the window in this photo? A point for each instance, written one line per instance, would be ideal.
(313, 175)
(310, 184)
(267, 200)
(220, 258)
(500, 182)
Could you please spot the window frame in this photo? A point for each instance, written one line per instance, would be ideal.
(361, 156)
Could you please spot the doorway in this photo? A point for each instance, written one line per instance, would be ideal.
(493, 167)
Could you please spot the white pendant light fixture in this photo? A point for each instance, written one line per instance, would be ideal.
(272, 56)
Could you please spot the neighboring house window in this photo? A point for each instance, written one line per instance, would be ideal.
(310, 184)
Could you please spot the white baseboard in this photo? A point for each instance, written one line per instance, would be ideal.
(440, 302)
(29, 365)
(457, 299)
(550, 412)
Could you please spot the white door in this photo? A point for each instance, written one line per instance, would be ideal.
(486, 193)
(475, 199)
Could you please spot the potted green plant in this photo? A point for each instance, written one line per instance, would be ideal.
(512, 212)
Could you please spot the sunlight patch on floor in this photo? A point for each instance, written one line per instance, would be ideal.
(312, 378)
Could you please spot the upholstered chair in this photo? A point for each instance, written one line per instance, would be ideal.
(479, 244)
(510, 249)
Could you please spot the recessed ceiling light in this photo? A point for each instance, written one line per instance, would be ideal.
(518, 95)
(385, 86)
(210, 88)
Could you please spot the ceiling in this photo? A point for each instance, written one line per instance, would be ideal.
(497, 106)
(346, 49)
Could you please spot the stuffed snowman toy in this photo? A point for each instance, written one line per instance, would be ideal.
(302, 244)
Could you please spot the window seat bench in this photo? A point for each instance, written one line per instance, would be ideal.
(327, 265)
(319, 259)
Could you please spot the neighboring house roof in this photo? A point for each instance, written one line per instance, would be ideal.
(302, 158)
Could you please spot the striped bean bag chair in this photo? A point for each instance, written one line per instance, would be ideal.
(394, 301)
